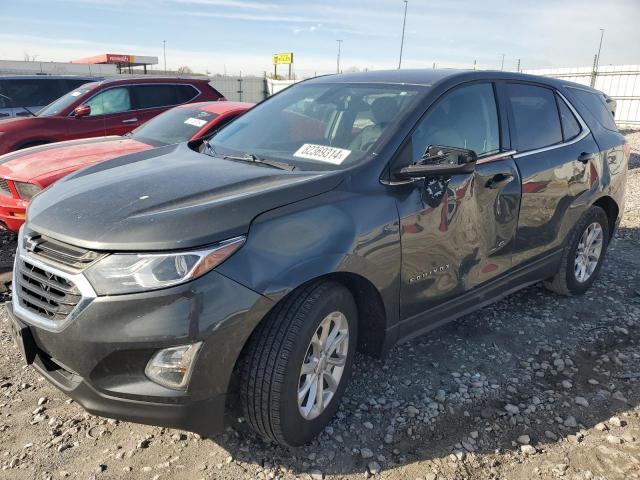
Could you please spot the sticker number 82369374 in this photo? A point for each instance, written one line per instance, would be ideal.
(322, 153)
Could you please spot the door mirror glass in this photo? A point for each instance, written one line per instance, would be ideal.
(441, 160)
(82, 111)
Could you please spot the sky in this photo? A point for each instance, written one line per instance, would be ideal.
(233, 36)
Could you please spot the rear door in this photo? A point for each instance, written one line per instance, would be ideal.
(554, 156)
(150, 100)
(457, 231)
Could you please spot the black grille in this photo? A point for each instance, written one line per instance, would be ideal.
(59, 252)
(4, 188)
(45, 294)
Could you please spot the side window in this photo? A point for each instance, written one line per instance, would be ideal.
(535, 117)
(464, 118)
(154, 96)
(570, 125)
(113, 100)
(33, 92)
(4, 96)
(596, 104)
(185, 93)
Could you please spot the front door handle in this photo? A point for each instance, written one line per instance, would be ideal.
(499, 180)
(130, 120)
(586, 157)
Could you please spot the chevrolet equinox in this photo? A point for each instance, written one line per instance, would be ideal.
(346, 213)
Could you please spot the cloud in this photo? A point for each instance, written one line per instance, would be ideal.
(232, 3)
(309, 29)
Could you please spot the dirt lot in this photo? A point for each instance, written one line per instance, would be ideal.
(535, 386)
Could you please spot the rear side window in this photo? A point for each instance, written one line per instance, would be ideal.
(154, 96)
(570, 125)
(464, 118)
(34, 92)
(185, 93)
(596, 104)
(535, 117)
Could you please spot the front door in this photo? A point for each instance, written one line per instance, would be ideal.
(556, 156)
(457, 231)
(111, 114)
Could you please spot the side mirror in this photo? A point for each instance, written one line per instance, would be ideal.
(439, 160)
(82, 111)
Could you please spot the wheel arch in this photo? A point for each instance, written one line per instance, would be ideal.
(612, 210)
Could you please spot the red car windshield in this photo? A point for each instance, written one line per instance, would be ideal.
(55, 107)
(173, 126)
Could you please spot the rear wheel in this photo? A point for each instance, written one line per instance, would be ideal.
(298, 362)
(583, 255)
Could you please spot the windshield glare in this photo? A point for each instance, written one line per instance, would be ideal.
(317, 126)
(64, 101)
(173, 126)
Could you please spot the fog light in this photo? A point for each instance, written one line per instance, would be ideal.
(171, 367)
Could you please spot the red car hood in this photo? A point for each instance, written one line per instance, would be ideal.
(49, 161)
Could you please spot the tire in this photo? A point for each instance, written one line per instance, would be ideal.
(271, 371)
(567, 281)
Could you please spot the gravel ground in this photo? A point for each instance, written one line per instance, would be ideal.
(534, 386)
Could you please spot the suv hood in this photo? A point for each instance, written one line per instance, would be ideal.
(164, 199)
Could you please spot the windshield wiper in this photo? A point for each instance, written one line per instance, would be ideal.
(250, 157)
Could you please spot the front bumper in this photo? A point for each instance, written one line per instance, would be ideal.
(12, 212)
(99, 358)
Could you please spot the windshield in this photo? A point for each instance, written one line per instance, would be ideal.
(316, 126)
(173, 126)
(55, 107)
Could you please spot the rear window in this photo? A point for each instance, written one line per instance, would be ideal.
(570, 126)
(597, 106)
(173, 126)
(535, 117)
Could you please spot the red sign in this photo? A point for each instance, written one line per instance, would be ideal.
(111, 58)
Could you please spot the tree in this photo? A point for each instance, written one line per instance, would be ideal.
(185, 70)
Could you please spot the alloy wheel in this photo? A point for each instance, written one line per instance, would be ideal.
(588, 252)
(323, 365)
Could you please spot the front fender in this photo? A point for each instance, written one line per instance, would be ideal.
(336, 232)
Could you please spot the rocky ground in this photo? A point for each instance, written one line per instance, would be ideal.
(535, 386)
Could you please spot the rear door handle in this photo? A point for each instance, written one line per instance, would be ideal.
(499, 180)
(586, 157)
(130, 120)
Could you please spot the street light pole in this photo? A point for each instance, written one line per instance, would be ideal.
(404, 23)
(164, 54)
(339, 48)
(502, 64)
(599, 49)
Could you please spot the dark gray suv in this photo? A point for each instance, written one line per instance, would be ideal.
(345, 213)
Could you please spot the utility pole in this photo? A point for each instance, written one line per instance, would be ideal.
(339, 48)
(404, 23)
(518, 65)
(502, 64)
(164, 54)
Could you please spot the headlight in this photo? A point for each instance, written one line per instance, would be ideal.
(130, 272)
(26, 190)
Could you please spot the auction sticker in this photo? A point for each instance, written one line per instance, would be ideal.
(322, 153)
(196, 122)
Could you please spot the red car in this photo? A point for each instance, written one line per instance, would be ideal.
(108, 107)
(26, 172)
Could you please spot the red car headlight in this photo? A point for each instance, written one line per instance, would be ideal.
(26, 190)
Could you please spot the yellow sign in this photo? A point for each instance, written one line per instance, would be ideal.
(283, 58)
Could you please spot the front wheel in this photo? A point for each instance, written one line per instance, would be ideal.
(298, 362)
(583, 255)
